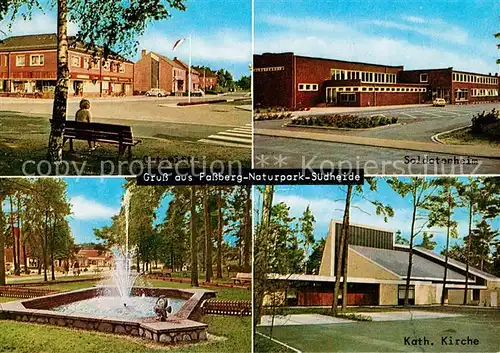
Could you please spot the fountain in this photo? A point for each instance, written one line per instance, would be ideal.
(163, 315)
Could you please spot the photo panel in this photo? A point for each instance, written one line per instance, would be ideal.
(387, 86)
(395, 264)
(107, 263)
(115, 88)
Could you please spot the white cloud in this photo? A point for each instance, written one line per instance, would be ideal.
(86, 209)
(40, 23)
(414, 19)
(435, 29)
(224, 46)
(313, 37)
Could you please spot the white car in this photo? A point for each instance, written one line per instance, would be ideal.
(156, 92)
(198, 93)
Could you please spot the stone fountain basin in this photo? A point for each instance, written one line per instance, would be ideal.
(183, 326)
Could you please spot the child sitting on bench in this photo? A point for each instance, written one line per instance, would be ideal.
(84, 115)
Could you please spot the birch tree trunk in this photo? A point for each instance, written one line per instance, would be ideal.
(62, 85)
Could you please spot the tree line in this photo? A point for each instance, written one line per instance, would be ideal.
(285, 245)
(203, 227)
(33, 223)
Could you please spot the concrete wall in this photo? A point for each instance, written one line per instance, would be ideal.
(388, 294)
(425, 293)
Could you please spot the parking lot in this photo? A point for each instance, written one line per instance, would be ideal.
(416, 123)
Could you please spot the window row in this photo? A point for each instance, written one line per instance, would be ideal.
(479, 92)
(371, 77)
(457, 77)
(35, 60)
(89, 63)
(308, 86)
(378, 89)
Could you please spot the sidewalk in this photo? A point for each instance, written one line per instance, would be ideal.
(467, 151)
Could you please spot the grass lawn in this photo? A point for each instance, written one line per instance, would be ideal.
(390, 335)
(59, 278)
(24, 138)
(222, 293)
(7, 299)
(465, 137)
(21, 337)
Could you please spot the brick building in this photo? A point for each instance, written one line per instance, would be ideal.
(153, 70)
(288, 80)
(195, 75)
(28, 64)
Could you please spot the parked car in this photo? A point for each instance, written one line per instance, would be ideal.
(439, 102)
(156, 92)
(198, 93)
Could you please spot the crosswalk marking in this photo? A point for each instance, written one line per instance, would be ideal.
(235, 137)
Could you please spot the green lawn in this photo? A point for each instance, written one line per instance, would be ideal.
(390, 335)
(7, 299)
(222, 293)
(21, 337)
(465, 137)
(24, 138)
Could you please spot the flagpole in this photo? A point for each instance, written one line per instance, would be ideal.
(189, 71)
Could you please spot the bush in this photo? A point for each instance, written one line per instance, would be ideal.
(345, 121)
(483, 119)
(357, 317)
(493, 131)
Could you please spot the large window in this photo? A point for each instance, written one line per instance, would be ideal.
(401, 294)
(20, 60)
(424, 78)
(75, 61)
(36, 60)
(308, 86)
(348, 97)
(461, 94)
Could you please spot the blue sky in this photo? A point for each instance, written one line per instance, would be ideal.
(416, 34)
(327, 202)
(221, 33)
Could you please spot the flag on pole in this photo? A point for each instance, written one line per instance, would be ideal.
(179, 42)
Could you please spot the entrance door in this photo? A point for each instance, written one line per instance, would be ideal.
(494, 299)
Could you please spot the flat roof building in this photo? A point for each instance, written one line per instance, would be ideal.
(377, 269)
(294, 81)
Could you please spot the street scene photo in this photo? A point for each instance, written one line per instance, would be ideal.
(103, 265)
(404, 91)
(78, 96)
(398, 264)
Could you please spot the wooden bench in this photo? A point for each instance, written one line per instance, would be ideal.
(242, 277)
(120, 135)
(166, 272)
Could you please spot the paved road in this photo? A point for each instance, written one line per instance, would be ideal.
(418, 123)
(374, 160)
(158, 117)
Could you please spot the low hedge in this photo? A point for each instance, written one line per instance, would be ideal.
(272, 116)
(212, 101)
(347, 121)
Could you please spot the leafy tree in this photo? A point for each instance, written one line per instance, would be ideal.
(427, 242)
(109, 25)
(263, 249)
(419, 190)
(342, 255)
(194, 236)
(400, 240)
(441, 208)
(497, 36)
(314, 261)
(307, 230)
(244, 83)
